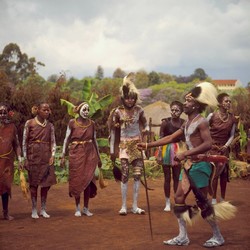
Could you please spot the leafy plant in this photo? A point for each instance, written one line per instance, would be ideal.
(243, 137)
(96, 105)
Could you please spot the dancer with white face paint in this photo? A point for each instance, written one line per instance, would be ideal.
(84, 111)
(167, 152)
(80, 142)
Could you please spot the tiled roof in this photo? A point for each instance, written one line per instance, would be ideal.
(225, 82)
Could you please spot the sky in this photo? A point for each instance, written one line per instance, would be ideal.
(170, 36)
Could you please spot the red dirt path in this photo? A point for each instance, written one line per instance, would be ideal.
(107, 230)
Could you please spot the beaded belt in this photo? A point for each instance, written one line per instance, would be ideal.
(80, 142)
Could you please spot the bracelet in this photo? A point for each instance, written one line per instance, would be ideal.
(146, 147)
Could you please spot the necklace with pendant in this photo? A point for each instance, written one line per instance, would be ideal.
(41, 124)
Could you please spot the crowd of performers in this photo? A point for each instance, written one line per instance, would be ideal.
(193, 151)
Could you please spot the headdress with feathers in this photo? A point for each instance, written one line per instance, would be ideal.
(128, 88)
(205, 93)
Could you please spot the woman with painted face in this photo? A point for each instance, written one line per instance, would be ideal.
(39, 147)
(167, 152)
(222, 128)
(80, 141)
(9, 148)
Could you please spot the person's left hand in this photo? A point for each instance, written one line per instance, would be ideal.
(223, 149)
(51, 160)
(179, 157)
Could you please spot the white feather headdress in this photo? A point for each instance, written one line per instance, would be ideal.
(206, 93)
(128, 87)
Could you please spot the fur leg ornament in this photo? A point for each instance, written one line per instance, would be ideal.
(188, 213)
(224, 210)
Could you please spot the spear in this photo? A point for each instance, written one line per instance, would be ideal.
(147, 197)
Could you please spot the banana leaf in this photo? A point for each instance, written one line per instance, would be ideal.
(70, 107)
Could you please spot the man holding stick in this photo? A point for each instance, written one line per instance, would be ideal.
(128, 120)
(199, 141)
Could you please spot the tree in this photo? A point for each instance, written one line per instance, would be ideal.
(153, 78)
(119, 73)
(141, 79)
(52, 78)
(165, 77)
(99, 73)
(241, 102)
(18, 66)
(200, 73)
(5, 87)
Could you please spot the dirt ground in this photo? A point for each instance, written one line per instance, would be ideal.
(107, 230)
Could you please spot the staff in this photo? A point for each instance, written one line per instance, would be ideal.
(147, 197)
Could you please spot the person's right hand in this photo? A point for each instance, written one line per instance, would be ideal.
(141, 145)
(159, 157)
(20, 166)
(112, 157)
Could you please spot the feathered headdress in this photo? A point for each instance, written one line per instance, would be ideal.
(205, 93)
(128, 88)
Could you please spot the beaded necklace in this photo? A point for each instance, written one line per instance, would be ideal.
(223, 120)
(41, 124)
(82, 126)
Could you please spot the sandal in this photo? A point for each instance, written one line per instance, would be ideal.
(213, 243)
(123, 211)
(138, 211)
(176, 242)
(86, 212)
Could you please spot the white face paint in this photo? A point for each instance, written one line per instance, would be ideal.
(84, 111)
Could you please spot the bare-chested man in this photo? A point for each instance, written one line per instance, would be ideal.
(199, 141)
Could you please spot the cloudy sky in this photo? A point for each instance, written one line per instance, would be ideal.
(170, 36)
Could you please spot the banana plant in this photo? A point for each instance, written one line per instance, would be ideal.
(243, 136)
(95, 105)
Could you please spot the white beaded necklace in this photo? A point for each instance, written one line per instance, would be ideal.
(41, 124)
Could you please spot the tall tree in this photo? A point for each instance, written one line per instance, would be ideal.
(5, 87)
(99, 72)
(119, 73)
(18, 66)
(200, 73)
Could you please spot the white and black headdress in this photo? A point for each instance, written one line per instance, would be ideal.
(128, 88)
(205, 93)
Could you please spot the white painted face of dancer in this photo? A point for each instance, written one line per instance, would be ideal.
(84, 111)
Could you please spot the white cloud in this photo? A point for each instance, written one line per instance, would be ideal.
(162, 35)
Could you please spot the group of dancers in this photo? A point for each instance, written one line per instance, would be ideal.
(201, 136)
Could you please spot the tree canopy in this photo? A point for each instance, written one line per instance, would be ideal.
(17, 65)
(22, 87)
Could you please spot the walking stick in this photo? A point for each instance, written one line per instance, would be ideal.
(146, 188)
